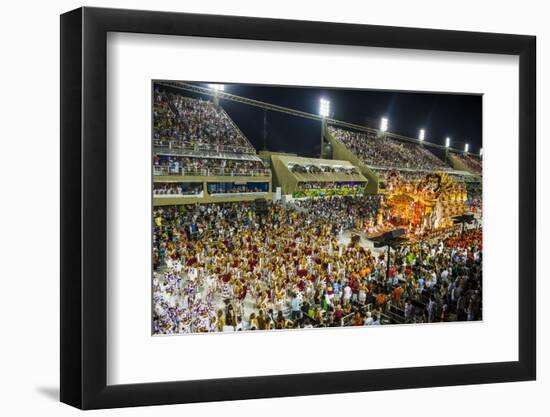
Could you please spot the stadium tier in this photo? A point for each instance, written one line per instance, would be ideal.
(200, 155)
(382, 152)
(466, 162)
(185, 123)
(310, 177)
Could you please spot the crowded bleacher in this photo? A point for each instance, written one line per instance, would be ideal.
(390, 153)
(182, 165)
(196, 138)
(322, 169)
(330, 185)
(176, 188)
(185, 123)
(473, 163)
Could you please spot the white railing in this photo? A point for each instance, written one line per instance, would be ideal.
(173, 145)
(158, 194)
(237, 194)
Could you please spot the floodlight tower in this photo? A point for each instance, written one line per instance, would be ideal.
(383, 126)
(466, 147)
(324, 111)
(447, 146)
(481, 152)
(421, 135)
(217, 88)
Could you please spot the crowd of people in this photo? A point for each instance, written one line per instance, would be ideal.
(346, 212)
(473, 163)
(229, 267)
(182, 165)
(177, 188)
(328, 185)
(323, 169)
(385, 152)
(237, 188)
(475, 196)
(194, 124)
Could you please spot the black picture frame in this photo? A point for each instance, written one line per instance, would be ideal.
(84, 207)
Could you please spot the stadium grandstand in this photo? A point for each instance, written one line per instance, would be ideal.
(200, 155)
(379, 229)
(466, 162)
(309, 177)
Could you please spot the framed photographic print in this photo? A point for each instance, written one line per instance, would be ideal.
(257, 208)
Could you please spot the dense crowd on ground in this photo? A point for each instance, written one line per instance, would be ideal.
(385, 152)
(473, 163)
(475, 196)
(194, 124)
(352, 212)
(181, 165)
(227, 267)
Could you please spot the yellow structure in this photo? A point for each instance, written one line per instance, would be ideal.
(429, 203)
(299, 177)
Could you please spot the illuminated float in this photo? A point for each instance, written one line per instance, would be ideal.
(423, 202)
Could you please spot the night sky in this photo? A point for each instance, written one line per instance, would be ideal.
(441, 115)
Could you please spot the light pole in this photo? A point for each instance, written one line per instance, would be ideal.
(421, 135)
(324, 110)
(217, 88)
(383, 126)
(265, 129)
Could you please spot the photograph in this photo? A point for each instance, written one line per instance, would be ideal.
(293, 208)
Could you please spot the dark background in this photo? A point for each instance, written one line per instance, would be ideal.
(458, 116)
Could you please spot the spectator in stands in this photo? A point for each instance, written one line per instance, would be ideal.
(473, 163)
(388, 153)
(180, 165)
(183, 122)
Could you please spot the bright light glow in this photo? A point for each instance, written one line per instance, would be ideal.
(384, 124)
(481, 152)
(324, 107)
(466, 147)
(447, 142)
(421, 134)
(217, 87)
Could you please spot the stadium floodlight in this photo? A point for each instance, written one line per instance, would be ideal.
(384, 124)
(324, 107)
(217, 87)
(481, 152)
(466, 147)
(421, 134)
(447, 142)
